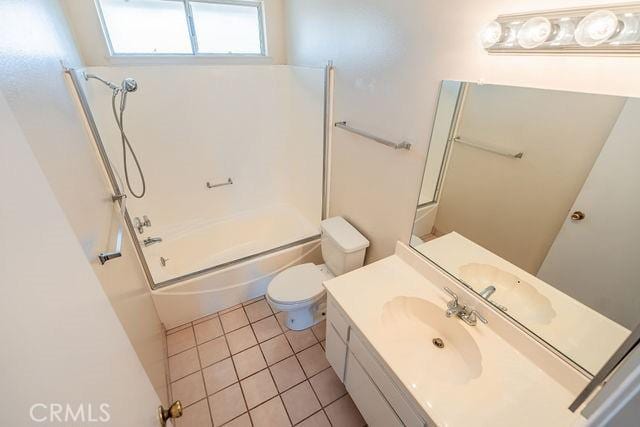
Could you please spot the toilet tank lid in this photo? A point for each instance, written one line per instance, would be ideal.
(344, 234)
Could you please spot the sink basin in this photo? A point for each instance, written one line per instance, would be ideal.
(413, 324)
(522, 299)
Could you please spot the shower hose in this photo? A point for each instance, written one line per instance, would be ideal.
(118, 115)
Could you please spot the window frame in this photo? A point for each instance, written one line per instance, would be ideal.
(193, 37)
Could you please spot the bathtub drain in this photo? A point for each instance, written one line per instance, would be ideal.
(438, 342)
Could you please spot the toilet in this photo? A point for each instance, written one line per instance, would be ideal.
(298, 291)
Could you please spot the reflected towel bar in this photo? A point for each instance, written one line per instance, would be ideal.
(488, 149)
(117, 250)
(402, 146)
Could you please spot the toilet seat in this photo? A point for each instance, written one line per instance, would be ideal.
(297, 285)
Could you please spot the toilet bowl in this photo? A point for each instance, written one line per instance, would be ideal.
(299, 292)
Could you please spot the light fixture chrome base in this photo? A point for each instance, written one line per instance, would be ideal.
(618, 43)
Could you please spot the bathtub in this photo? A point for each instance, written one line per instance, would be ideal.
(226, 287)
(192, 248)
(205, 266)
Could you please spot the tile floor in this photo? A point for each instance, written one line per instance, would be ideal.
(243, 367)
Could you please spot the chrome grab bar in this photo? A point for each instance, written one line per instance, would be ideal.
(401, 146)
(488, 149)
(221, 184)
(117, 250)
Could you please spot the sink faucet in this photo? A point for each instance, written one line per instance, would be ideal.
(467, 314)
(486, 294)
(151, 240)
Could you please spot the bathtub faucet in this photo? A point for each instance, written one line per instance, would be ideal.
(151, 240)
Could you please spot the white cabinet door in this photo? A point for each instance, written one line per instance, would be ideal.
(336, 351)
(372, 405)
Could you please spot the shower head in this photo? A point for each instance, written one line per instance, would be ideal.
(129, 85)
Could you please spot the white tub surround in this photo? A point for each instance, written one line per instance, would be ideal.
(491, 375)
(579, 332)
(233, 160)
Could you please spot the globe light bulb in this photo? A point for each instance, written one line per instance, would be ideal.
(491, 34)
(534, 32)
(597, 28)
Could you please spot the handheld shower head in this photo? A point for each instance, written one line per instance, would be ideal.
(129, 85)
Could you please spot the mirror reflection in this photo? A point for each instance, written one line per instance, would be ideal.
(530, 198)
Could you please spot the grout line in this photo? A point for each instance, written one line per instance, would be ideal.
(304, 419)
(233, 419)
(286, 411)
(183, 351)
(327, 415)
(185, 376)
(244, 398)
(178, 328)
(211, 364)
(204, 384)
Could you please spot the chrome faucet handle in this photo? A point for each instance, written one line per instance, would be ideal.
(454, 302)
(473, 314)
(146, 221)
(138, 225)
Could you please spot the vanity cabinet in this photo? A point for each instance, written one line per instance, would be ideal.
(378, 397)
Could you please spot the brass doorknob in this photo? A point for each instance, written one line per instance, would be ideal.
(174, 411)
(577, 216)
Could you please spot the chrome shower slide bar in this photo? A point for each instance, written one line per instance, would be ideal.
(488, 149)
(401, 146)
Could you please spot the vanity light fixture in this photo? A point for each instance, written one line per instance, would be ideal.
(596, 30)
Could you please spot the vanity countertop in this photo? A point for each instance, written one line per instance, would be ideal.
(509, 390)
(581, 333)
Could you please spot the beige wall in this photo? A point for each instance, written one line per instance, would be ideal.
(41, 100)
(87, 31)
(390, 58)
(515, 208)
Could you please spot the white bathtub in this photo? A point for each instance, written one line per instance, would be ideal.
(202, 274)
(203, 244)
(194, 298)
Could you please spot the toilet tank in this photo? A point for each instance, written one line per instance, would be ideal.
(343, 247)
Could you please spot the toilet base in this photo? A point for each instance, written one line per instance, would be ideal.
(306, 317)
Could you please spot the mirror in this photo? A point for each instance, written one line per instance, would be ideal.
(530, 198)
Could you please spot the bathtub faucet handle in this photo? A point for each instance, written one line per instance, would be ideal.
(140, 224)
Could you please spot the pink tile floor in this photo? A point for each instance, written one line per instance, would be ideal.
(243, 367)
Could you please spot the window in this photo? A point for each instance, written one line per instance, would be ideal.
(183, 27)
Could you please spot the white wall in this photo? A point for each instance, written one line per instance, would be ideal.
(33, 39)
(515, 207)
(61, 340)
(390, 58)
(85, 23)
(260, 125)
